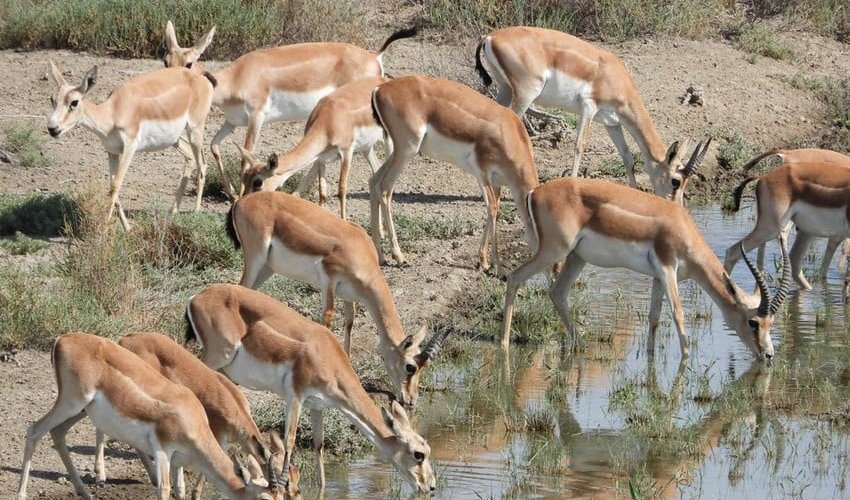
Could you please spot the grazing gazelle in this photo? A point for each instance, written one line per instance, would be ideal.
(262, 344)
(552, 68)
(581, 221)
(225, 405)
(449, 121)
(148, 113)
(811, 187)
(278, 83)
(341, 124)
(281, 233)
(131, 401)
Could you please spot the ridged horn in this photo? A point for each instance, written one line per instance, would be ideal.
(785, 281)
(696, 158)
(434, 345)
(274, 482)
(763, 291)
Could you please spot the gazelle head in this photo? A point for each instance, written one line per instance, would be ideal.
(673, 173)
(413, 358)
(68, 101)
(177, 56)
(254, 178)
(409, 451)
(755, 314)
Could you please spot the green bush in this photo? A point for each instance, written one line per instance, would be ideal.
(22, 244)
(762, 39)
(196, 241)
(26, 142)
(36, 214)
(131, 28)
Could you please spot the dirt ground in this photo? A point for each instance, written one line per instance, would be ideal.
(756, 99)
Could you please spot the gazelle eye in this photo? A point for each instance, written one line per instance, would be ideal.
(74, 103)
(419, 456)
(754, 324)
(410, 368)
(676, 183)
(189, 65)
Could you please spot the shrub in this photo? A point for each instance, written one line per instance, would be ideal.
(762, 39)
(36, 214)
(196, 241)
(131, 28)
(26, 142)
(733, 149)
(22, 244)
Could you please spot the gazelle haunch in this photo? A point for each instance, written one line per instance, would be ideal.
(226, 407)
(580, 221)
(552, 68)
(340, 125)
(811, 187)
(284, 234)
(148, 113)
(131, 401)
(262, 344)
(279, 83)
(449, 121)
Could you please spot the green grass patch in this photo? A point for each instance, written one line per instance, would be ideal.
(36, 214)
(130, 28)
(22, 244)
(26, 142)
(733, 149)
(190, 240)
(763, 39)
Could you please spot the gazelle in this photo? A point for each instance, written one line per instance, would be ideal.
(552, 68)
(340, 125)
(262, 344)
(225, 405)
(131, 401)
(452, 122)
(281, 233)
(148, 113)
(580, 221)
(811, 187)
(279, 83)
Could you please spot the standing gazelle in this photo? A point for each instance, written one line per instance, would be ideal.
(341, 124)
(811, 187)
(281, 233)
(148, 113)
(555, 69)
(580, 221)
(278, 83)
(262, 344)
(226, 407)
(131, 401)
(449, 121)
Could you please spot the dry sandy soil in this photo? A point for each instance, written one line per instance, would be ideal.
(755, 99)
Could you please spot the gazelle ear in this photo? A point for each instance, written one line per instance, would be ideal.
(88, 81)
(271, 164)
(672, 151)
(55, 74)
(204, 41)
(170, 37)
(396, 418)
(415, 339)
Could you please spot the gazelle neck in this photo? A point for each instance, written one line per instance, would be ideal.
(356, 404)
(98, 118)
(217, 466)
(705, 268)
(302, 155)
(382, 308)
(640, 125)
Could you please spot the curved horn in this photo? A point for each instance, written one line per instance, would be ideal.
(696, 158)
(274, 482)
(372, 388)
(785, 282)
(757, 274)
(434, 345)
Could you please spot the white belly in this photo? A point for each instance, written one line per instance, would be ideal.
(286, 106)
(111, 422)
(440, 147)
(564, 91)
(603, 251)
(159, 134)
(366, 137)
(248, 371)
(297, 266)
(819, 221)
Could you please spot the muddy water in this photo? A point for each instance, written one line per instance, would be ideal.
(541, 424)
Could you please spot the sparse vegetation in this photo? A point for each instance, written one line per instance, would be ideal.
(22, 244)
(36, 214)
(26, 142)
(763, 39)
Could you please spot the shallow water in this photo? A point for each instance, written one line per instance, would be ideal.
(722, 425)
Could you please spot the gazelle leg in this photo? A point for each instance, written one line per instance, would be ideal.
(252, 137)
(492, 211)
(559, 292)
(538, 263)
(380, 198)
(117, 179)
(671, 287)
(198, 488)
(798, 253)
(181, 187)
(342, 187)
(350, 310)
(618, 138)
(163, 474)
(293, 412)
(374, 165)
(588, 111)
(307, 180)
(328, 309)
(323, 184)
(99, 465)
(179, 481)
(318, 444)
(654, 313)
(828, 254)
(215, 147)
(196, 136)
(58, 434)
